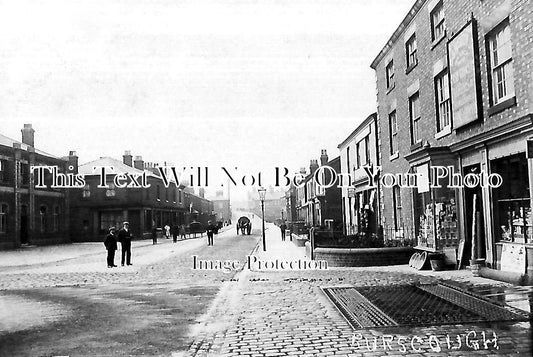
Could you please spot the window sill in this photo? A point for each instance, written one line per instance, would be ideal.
(394, 156)
(418, 145)
(444, 132)
(411, 67)
(502, 106)
(390, 88)
(436, 41)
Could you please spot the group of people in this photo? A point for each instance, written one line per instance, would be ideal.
(168, 231)
(124, 237)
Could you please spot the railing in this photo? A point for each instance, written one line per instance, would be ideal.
(399, 237)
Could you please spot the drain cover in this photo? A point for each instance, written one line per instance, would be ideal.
(414, 305)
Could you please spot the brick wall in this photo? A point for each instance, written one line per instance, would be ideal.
(363, 257)
(457, 13)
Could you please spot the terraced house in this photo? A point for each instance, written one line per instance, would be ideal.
(30, 215)
(455, 90)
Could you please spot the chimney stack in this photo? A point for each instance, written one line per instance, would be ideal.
(313, 166)
(323, 157)
(302, 170)
(72, 161)
(127, 158)
(201, 192)
(138, 163)
(28, 136)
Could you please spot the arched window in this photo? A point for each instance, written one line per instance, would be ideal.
(42, 219)
(3, 218)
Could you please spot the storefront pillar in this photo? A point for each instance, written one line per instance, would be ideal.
(487, 205)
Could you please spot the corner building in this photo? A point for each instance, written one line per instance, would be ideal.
(455, 89)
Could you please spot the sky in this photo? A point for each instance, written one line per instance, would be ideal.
(238, 83)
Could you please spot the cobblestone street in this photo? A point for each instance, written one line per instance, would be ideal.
(286, 313)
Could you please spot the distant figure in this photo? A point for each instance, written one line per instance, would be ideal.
(111, 246)
(154, 234)
(174, 230)
(167, 231)
(125, 237)
(283, 228)
(183, 232)
(211, 229)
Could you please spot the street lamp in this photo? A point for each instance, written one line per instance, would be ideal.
(262, 194)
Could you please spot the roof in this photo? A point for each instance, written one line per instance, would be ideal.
(5, 141)
(398, 32)
(118, 166)
(367, 121)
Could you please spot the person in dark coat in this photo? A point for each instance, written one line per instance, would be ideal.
(211, 229)
(111, 246)
(154, 234)
(125, 237)
(174, 230)
(283, 228)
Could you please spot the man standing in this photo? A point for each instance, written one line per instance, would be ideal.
(125, 237)
(283, 228)
(210, 231)
(111, 246)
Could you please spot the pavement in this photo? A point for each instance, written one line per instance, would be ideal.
(284, 312)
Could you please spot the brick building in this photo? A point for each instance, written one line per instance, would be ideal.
(455, 89)
(30, 215)
(360, 207)
(221, 206)
(317, 205)
(96, 209)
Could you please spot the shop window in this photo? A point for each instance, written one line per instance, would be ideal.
(110, 192)
(438, 29)
(397, 207)
(389, 71)
(442, 89)
(110, 219)
(3, 218)
(410, 50)
(414, 113)
(86, 193)
(393, 133)
(42, 219)
(55, 219)
(501, 63)
(512, 216)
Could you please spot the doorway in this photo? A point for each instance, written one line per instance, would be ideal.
(473, 196)
(24, 225)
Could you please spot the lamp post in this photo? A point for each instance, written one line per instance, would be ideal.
(262, 195)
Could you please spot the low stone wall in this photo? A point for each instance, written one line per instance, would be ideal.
(364, 257)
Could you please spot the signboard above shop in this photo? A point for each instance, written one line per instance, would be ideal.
(463, 78)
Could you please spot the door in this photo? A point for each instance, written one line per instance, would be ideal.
(24, 225)
(475, 225)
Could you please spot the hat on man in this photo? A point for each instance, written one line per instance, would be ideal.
(112, 229)
(126, 222)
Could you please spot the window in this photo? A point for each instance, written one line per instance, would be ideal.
(397, 203)
(180, 197)
(442, 88)
(55, 219)
(166, 195)
(175, 196)
(86, 193)
(437, 22)
(362, 152)
(25, 173)
(393, 131)
(501, 63)
(42, 219)
(110, 192)
(348, 158)
(158, 192)
(414, 113)
(410, 49)
(3, 218)
(390, 74)
(3, 171)
(110, 219)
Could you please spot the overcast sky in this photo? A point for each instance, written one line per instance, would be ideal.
(234, 82)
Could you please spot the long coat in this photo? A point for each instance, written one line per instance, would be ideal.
(111, 242)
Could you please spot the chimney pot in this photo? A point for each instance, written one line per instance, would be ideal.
(28, 136)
